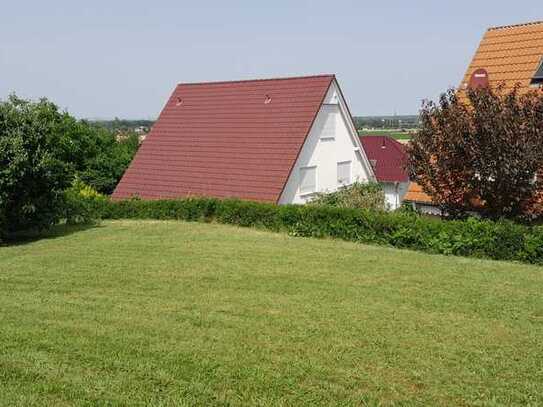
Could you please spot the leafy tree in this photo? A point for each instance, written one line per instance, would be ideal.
(42, 150)
(481, 148)
(104, 170)
(33, 173)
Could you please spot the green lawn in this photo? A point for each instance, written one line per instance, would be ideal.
(171, 313)
(398, 135)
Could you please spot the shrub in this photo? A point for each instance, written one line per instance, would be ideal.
(501, 240)
(33, 175)
(83, 204)
(357, 195)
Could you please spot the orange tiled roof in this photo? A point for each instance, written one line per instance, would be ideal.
(416, 194)
(510, 54)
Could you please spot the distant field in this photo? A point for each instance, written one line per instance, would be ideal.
(183, 314)
(396, 134)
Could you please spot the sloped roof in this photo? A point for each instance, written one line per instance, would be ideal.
(388, 157)
(510, 54)
(416, 194)
(226, 139)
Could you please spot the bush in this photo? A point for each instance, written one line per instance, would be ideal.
(33, 174)
(83, 204)
(501, 240)
(357, 195)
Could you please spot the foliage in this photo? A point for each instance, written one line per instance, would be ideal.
(83, 204)
(103, 168)
(123, 125)
(41, 151)
(386, 122)
(33, 168)
(96, 156)
(357, 195)
(502, 240)
(480, 150)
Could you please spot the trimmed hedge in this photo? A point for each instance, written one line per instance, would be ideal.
(503, 240)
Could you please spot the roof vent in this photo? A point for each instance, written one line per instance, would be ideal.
(479, 79)
(179, 102)
(267, 101)
(537, 80)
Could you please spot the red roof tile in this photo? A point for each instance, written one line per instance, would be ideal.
(226, 139)
(388, 157)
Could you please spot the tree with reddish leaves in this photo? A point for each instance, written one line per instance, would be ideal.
(481, 150)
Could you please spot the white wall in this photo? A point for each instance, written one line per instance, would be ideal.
(427, 209)
(326, 153)
(394, 194)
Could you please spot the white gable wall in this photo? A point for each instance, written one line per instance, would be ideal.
(394, 193)
(324, 153)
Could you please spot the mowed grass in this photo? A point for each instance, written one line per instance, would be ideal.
(398, 135)
(151, 313)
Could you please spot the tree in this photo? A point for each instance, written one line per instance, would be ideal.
(481, 148)
(104, 170)
(42, 150)
(33, 174)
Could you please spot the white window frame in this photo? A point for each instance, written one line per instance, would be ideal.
(348, 163)
(307, 192)
(330, 120)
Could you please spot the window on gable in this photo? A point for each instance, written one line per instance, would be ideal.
(537, 80)
(331, 116)
(344, 173)
(308, 180)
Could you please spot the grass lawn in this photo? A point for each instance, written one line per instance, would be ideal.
(398, 135)
(169, 313)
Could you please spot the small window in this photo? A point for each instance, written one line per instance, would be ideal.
(344, 173)
(537, 80)
(330, 115)
(308, 180)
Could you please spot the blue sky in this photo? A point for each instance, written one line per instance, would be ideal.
(123, 58)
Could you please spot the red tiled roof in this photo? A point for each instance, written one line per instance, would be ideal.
(389, 158)
(226, 139)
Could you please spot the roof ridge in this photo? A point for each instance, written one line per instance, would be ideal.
(502, 27)
(260, 79)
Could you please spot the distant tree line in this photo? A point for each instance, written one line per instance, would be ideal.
(123, 125)
(387, 122)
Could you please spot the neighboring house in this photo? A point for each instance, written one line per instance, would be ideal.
(420, 200)
(272, 140)
(388, 159)
(509, 55)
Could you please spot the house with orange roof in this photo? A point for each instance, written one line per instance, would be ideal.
(510, 56)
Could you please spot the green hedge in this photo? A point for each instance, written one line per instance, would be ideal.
(503, 240)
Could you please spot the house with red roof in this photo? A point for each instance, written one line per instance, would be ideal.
(388, 159)
(270, 140)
